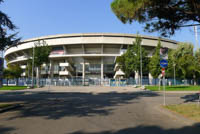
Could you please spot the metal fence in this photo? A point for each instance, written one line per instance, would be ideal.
(97, 82)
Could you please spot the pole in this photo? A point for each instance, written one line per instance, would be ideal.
(164, 103)
(33, 67)
(196, 37)
(174, 75)
(197, 46)
(159, 81)
(140, 65)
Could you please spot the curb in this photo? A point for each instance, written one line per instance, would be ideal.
(10, 108)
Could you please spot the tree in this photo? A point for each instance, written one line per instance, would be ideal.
(17, 71)
(186, 65)
(28, 70)
(184, 60)
(169, 72)
(130, 61)
(6, 24)
(5, 39)
(7, 74)
(197, 65)
(41, 56)
(13, 71)
(166, 16)
(154, 64)
(121, 61)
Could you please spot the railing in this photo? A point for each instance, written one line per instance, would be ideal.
(97, 82)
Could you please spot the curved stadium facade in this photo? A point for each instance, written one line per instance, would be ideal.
(90, 55)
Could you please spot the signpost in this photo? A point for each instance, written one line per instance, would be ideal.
(163, 64)
(163, 71)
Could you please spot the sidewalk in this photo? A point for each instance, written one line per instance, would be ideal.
(92, 89)
(89, 89)
(80, 89)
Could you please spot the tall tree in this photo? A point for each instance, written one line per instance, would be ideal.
(172, 63)
(197, 65)
(28, 70)
(184, 60)
(5, 39)
(41, 56)
(7, 74)
(165, 16)
(154, 64)
(121, 62)
(130, 61)
(13, 71)
(5, 25)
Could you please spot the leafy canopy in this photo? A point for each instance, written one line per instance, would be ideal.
(41, 53)
(13, 71)
(164, 16)
(5, 25)
(184, 61)
(154, 64)
(130, 61)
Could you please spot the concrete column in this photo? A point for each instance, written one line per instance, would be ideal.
(150, 79)
(102, 65)
(101, 49)
(65, 50)
(83, 71)
(51, 69)
(102, 68)
(38, 76)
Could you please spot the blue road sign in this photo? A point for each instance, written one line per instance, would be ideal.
(163, 63)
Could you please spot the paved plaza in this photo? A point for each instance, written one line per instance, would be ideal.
(93, 110)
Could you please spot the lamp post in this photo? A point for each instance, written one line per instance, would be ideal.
(174, 73)
(33, 60)
(33, 53)
(140, 64)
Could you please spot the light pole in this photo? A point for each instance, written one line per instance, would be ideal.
(174, 74)
(33, 60)
(140, 64)
(33, 66)
(196, 37)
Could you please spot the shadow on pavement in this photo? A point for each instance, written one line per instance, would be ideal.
(191, 98)
(194, 129)
(5, 130)
(58, 105)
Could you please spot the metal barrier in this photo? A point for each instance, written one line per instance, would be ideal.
(96, 82)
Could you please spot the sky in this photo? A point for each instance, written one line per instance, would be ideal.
(35, 18)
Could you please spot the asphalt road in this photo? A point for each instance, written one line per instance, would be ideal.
(88, 113)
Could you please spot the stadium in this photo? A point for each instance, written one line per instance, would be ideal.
(87, 56)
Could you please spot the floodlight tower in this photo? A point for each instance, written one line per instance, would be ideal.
(196, 37)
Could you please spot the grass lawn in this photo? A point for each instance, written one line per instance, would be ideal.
(5, 105)
(174, 88)
(13, 88)
(191, 111)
